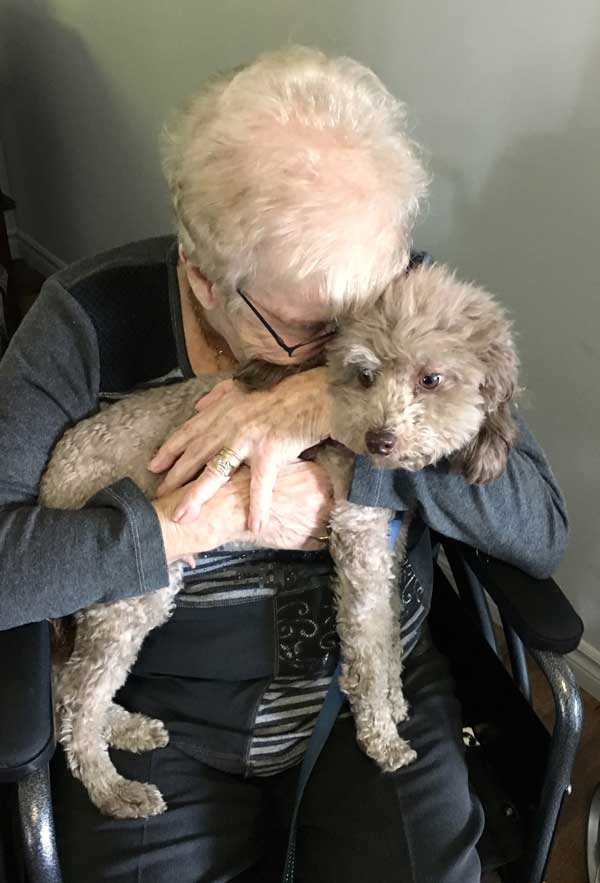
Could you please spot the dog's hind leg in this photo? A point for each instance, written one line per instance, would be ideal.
(107, 644)
(131, 731)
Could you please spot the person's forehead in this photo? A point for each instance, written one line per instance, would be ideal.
(292, 305)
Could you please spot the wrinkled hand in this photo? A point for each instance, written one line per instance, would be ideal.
(267, 429)
(299, 514)
(223, 519)
(300, 509)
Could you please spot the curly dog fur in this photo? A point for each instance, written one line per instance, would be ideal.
(426, 324)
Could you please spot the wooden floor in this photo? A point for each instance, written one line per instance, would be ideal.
(568, 861)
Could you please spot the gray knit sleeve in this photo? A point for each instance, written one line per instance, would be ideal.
(53, 562)
(520, 518)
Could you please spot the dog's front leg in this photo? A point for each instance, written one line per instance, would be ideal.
(368, 628)
(398, 701)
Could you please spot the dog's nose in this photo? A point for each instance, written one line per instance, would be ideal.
(380, 441)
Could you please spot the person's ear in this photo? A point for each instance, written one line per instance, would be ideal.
(202, 287)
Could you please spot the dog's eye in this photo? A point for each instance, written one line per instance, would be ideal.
(430, 381)
(366, 378)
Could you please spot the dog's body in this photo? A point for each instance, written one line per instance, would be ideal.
(426, 325)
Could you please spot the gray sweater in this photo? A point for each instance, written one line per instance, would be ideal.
(111, 323)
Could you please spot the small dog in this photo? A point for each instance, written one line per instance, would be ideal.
(427, 372)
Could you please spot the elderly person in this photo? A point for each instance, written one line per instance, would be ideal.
(294, 187)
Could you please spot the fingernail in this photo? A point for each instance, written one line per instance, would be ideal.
(180, 513)
(153, 464)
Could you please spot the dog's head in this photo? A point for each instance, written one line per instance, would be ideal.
(428, 372)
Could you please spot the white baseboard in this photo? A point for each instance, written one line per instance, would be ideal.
(24, 246)
(585, 662)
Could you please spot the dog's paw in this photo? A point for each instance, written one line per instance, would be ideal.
(395, 755)
(398, 707)
(390, 751)
(130, 800)
(136, 732)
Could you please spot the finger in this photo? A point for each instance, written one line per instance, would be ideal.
(200, 491)
(204, 488)
(313, 544)
(188, 466)
(172, 448)
(263, 476)
(216, 393)
(322, 534)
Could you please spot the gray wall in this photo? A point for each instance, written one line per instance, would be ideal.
(503, 95)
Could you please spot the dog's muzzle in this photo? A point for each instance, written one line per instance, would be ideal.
(380, 441)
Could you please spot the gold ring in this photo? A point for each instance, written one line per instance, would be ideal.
(225, 462)
(324, 539)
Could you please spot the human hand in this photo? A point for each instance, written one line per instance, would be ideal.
(301, 505)
(300, 509)
(224, 519)
(266, 428)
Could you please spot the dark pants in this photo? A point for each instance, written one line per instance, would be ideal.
(357, 825)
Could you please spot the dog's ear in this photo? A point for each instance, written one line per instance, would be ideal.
(484, 459)
(257, 374)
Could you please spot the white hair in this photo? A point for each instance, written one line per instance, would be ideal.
(295, 168)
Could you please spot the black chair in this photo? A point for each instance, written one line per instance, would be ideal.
(519, 770)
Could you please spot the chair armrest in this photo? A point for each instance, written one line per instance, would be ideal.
(537, 609)
(26, 719)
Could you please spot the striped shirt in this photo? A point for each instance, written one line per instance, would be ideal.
(288, 708)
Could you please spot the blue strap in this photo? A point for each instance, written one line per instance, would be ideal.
(324, 725)
(334, 700)
(395, 526)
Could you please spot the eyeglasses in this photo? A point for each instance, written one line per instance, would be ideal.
(290, 350)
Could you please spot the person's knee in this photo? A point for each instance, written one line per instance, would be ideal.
(453, 857)
(419, 825)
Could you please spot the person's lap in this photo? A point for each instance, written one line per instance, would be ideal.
(418, 825)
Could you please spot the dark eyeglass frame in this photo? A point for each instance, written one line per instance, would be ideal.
(290, 350)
